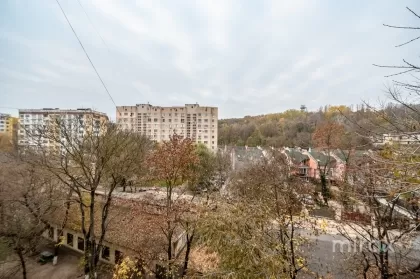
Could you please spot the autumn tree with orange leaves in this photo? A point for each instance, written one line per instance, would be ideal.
(172, 164)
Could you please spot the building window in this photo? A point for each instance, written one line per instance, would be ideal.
(105, 253)
(212, 142)
(51, 232)
(155, 120)
(118, 256)
(206, 142)
(70, 239)
(80, 244)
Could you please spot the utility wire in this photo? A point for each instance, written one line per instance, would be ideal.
(91, 23)
(87, 55)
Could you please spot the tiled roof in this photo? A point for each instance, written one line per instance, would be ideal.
(322, 158)
(248, 154)
(296, 156)
(354, 155)
(135, 225)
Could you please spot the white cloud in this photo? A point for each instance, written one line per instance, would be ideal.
(47, 73)
(245, 56)
(219, 15)
(159, 26)
(21, 76)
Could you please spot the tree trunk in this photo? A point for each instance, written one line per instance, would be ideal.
(90, 251)
(22, 261)
(187, 254)
(384, 263)
(169, 252)
(86, 260)
(324, 189)
(56, 247)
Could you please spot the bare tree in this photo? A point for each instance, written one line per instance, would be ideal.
(402, 115)
(172, 164)
(28, 199)
(383, 237)
(327, 137)
(91, 159)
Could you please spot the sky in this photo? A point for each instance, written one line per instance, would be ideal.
(246, 57)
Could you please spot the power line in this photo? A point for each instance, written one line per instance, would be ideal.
(87, 55)
(91, 23)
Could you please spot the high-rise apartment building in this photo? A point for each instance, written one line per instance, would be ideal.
(78, 122)
(159, 123)
(8, 125)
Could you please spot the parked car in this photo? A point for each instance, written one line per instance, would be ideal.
(307, 199)
(45, 257)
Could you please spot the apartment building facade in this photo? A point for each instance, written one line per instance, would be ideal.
(77, 121)
(159, 123)
(396, 138)
(8, 125)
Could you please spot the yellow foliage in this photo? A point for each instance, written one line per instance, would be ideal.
(335, 110)
(127, 269)
(323, 226)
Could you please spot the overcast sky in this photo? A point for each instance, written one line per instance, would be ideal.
(246, 57)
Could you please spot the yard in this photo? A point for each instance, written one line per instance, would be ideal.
(66, 268)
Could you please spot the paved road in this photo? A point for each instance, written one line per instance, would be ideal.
(324, 259)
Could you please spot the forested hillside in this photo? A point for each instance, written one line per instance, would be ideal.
(296, 127)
